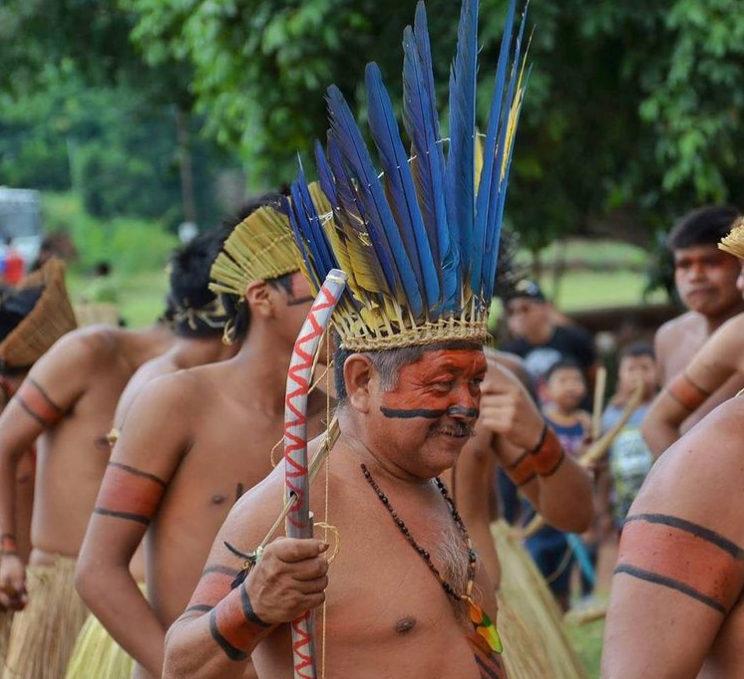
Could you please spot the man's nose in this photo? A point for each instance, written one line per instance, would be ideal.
(466, 405)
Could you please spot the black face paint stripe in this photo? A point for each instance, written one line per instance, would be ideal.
(465, 412)
(300, 300)
(671, 583)
(414, 412)
(694, 529)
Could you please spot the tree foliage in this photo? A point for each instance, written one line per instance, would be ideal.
(632, 114)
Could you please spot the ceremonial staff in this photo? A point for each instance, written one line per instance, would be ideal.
(297, 484)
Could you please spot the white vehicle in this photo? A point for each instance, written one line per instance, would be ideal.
(20, 220)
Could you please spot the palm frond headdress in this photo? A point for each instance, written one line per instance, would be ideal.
(419, 240)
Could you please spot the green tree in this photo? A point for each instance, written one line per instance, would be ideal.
(631, 118)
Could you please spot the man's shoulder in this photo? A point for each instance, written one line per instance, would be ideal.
(680, 324)
(88, 346)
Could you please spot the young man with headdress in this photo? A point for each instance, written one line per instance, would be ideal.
(180, 476)
(406, 594)
(33, 317)
(67, 402)
(198, 321)
(705, 280)
(676, 606)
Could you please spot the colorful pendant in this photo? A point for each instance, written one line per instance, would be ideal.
(485, 628)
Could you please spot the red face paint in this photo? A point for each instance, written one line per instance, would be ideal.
(438, 382)
(684, 557)
(128, 493)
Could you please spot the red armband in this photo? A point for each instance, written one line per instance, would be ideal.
(235, 626)
(8, 544)
(548, 454)
(522, 471)
(35, 401)
(129, 493)
(688, 394)
(666, 551)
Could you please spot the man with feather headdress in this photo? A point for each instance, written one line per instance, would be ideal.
(406, 594)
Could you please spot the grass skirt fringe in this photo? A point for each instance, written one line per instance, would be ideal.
(540, 648)
(97, 655)
(6, 620)
(43, 634)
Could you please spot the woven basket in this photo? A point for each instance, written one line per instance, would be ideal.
(51, 317)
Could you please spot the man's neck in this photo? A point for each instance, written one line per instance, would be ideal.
(260, 369)
(189, 352)
(712, 323)
(542, 335)
(143, 345)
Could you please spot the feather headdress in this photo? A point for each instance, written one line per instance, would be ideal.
(419, 240)
(260, 247)
(734, 242)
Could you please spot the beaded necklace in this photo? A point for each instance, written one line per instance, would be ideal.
(482, 623)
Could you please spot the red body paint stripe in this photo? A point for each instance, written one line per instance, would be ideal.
(35, 401)
(676, 558)
(129, 493)
(688, 394)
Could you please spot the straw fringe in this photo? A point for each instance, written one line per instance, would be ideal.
(6, 620)
(51, 317)
(523, 590)
(97, 655)
(43, 634)
(524, 659)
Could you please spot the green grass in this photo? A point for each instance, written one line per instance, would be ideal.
(141, 295)
(587, 640)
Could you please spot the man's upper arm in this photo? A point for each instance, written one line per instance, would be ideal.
(144, 459)
(681, 565)
(50, 390)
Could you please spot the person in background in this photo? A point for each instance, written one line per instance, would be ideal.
(629, 458)
(540, 341)
(13, 266)
(706, 283)
(565, 389)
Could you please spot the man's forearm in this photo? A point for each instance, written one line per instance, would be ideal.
(116, 600)
(659, 434)
(565, 498)
(8, 470)
(225, 635)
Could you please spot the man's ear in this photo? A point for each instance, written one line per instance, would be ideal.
(259, 298)
(358, 375)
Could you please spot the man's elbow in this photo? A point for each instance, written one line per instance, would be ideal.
(176, 663)
(92, 579)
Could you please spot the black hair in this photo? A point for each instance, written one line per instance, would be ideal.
(388, 363)
(237, 308)
(703, 226)
(190, 266)
(564, 364)
(15, 305)
(636, 350)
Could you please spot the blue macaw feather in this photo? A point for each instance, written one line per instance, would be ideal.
(422, 123)
(401, 190)
(303, 245)
(379, 216)
(325, 175)
(498, 185)
(460, 175)
(485, 192)
(492, 261)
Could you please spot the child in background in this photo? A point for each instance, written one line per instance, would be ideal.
(565, 389)
(629, 457)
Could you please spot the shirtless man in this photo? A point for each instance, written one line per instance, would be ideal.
(676, 610)
(181, 475)
(198, 322)
(706, 283)
(406, 593)
(25, 338)
(509, 424)
(716, 363)
(67, 402)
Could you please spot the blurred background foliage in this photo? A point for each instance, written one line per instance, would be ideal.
(143, 107)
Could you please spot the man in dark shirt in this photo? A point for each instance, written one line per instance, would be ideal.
(540, 340)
